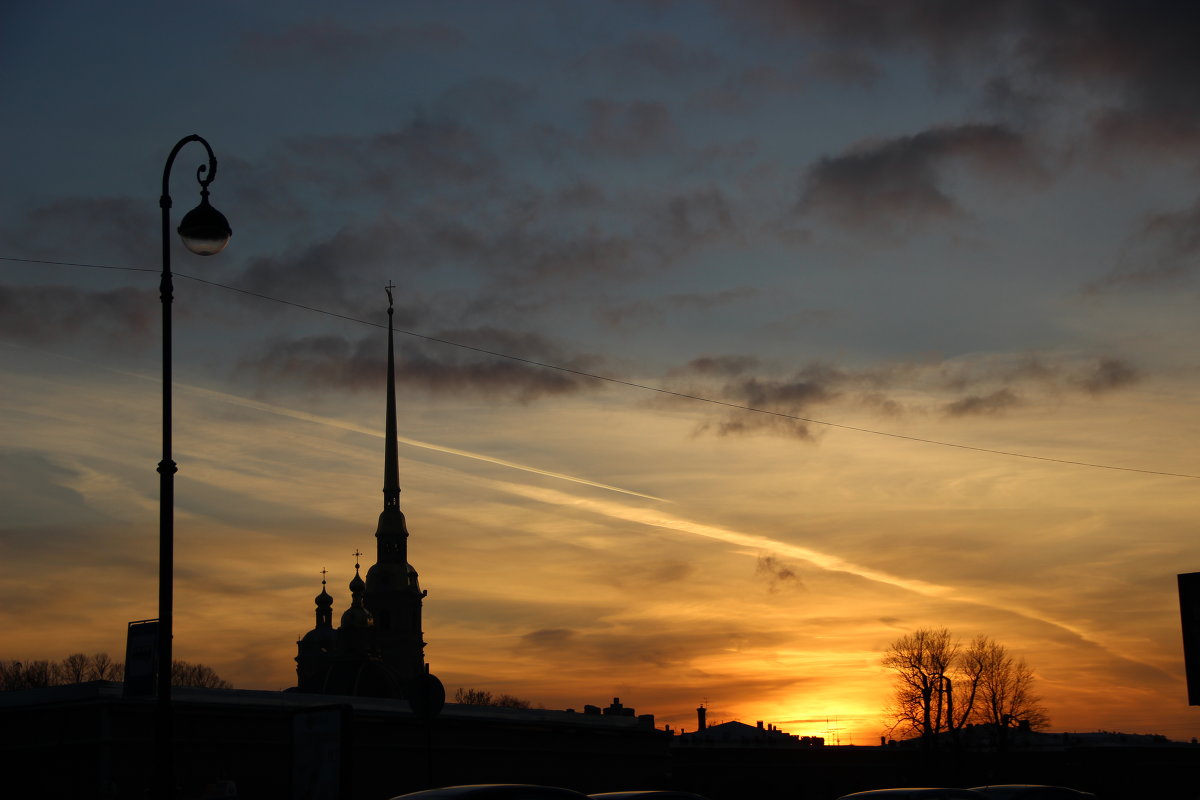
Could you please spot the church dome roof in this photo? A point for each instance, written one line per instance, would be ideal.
(324, 638)
(356, 616)
(384, 577)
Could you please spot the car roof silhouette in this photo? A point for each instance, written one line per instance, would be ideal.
(495, 791)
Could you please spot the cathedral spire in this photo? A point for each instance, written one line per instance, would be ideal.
(392, 533)
(391, 459)
(393, 593)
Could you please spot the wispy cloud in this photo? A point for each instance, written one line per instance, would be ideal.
(755, 546)
(43, 314)
(316, 363)
(348, 426)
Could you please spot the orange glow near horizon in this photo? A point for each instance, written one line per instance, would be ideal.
(764, 580)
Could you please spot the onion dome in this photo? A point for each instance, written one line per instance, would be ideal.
(321, 637)
(324, 599)
(357, 616)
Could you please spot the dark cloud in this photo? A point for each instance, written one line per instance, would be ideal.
(446, 200)
(316, 361)
(721, 365)
(344, 271)
(425, 151)
(783, 399)
(941, 24)
(895, 185)
(1034, 372)
(695, 217)
(548, 637)
(645, 55)
(1022, 105)
(846, 67)
(487, 98)
(800, 392)
(1107, 374)
(984, 386)
(641, 575)
(425, 155)
(536, 244)
(321, 272)
(1137, 60)
(115, 317)
(741, 423)
(328, 44)
(530, 249)
(117, 231)
(776, 573)
(432, 165)
(1166, 249)
(581, 195)
(693, 301)
(1145, 51)
(991, 403)
(335, 363)
(660, 648)
(739, 92)
(532, 256)
(629, 129)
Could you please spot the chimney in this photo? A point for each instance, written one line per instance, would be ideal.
(700, 712)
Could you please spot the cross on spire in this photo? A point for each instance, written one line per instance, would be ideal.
(388, 289)
(323, 572)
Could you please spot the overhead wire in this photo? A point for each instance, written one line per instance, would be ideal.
(619, 381)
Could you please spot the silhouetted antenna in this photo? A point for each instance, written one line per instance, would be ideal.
(833, 730)
(388, 289)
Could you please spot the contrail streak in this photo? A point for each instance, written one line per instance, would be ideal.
(757, 544)
(350, 426)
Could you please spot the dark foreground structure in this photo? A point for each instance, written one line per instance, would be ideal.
(87, 741)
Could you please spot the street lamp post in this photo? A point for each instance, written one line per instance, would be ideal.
(205, 232)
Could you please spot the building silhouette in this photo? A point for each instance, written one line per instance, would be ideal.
(378, 649)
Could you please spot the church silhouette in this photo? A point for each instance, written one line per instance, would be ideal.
(378, 648)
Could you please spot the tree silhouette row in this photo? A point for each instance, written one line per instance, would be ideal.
(80, 668)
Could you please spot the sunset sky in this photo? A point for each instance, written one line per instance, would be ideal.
(952, 246)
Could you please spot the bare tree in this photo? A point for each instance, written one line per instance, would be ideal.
(969, 669)
(482, 697)
(78, 667)
(30, 674)
(942, 685)
(103, 668)
(184, 673)
(10, 675)
(921, 661)
(473, 697)
(509, 701)
(42, 673)
(1006, 693)
(75, 668)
